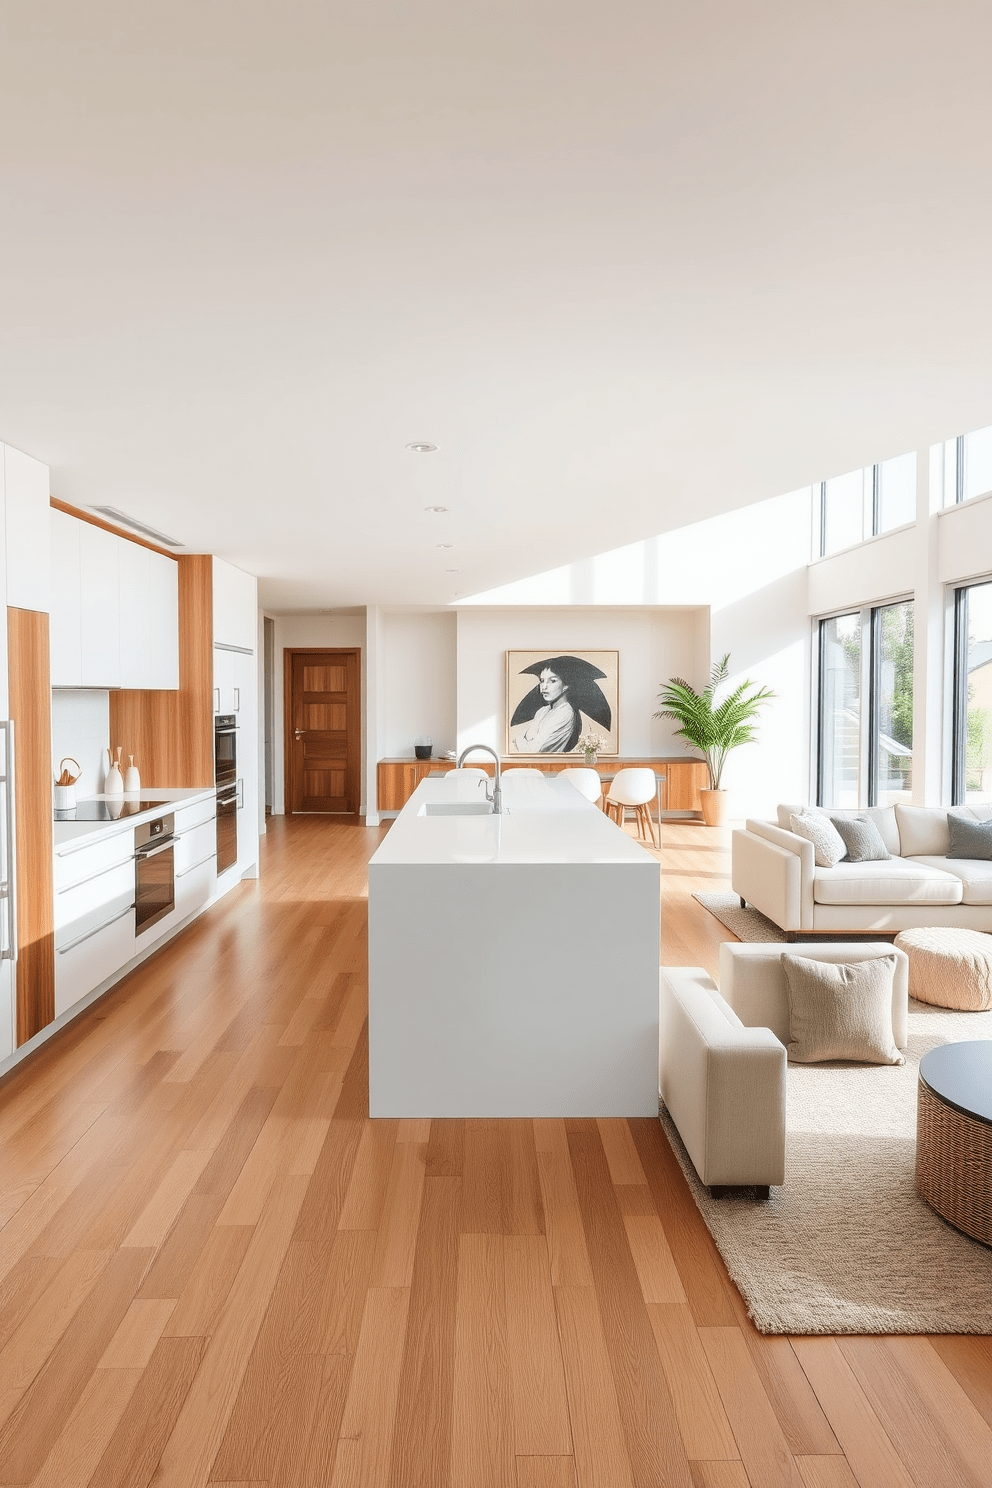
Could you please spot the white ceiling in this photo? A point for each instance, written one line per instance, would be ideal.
(627, 265)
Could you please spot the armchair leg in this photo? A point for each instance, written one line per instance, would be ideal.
(721, 1190)
(743, 902)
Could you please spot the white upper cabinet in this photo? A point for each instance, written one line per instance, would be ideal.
(99, 607)
(149, 598)
(67, 658)
(27, 530)
(115, 621)
(235, 606)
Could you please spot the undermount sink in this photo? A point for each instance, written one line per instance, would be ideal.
(456, 808)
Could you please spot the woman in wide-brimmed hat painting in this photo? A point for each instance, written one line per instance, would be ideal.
(552, 711)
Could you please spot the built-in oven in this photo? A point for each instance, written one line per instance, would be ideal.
(225, 751)
(154, 872)
(228, 789)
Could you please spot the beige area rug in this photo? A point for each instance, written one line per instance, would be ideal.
(846, 1245)
(751, 925)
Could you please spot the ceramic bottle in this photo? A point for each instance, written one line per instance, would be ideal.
(132, 780)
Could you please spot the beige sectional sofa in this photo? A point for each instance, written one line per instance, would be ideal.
(774, 870)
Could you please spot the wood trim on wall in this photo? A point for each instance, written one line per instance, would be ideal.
(95, 521)
(171, 734)
(30, 708)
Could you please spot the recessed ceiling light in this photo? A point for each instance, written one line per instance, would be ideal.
(446, 545)
(435, 508)
(123, 520)
(421, 447)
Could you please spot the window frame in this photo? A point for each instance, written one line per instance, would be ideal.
(870, 668)
(959, 687)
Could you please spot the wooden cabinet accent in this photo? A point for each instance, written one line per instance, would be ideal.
(686, 778)
(397, 779)
(30, 705)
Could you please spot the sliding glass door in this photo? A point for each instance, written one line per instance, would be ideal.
(865, 707)
(972, 764)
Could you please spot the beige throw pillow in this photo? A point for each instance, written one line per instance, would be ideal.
(828, 845)
(841, 1010)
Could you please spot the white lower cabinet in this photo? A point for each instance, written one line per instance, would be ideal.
(93, 952)
(94, 915)
(196, 865)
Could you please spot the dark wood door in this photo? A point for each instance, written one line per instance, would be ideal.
(323, 730)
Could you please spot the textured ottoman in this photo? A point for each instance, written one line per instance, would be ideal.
(949, 968)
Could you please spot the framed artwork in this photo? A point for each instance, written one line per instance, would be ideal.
(554, 698)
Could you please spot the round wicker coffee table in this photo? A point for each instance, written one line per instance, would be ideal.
(954, 1135)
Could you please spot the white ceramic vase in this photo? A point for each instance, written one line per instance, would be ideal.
(132, 780)
(115, 782)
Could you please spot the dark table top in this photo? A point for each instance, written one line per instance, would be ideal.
(961, 1075)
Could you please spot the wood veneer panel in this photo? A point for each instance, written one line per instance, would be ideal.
(31, 710)
(171, 734)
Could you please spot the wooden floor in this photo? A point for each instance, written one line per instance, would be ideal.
(215, 1267)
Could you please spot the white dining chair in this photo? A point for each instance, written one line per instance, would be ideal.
(635, 787)
(471, 772)
(586, 781)
(523, 770)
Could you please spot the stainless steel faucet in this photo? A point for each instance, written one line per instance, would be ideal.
(497, 796)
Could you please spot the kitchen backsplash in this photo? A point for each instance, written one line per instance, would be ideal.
(81, 728)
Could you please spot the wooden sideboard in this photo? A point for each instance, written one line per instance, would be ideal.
(397, 779)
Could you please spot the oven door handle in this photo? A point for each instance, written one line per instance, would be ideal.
(153, 852)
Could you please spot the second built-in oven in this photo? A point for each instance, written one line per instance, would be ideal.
(228, 790)
(154, 872)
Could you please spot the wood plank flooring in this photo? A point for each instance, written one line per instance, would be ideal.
(214, 1268)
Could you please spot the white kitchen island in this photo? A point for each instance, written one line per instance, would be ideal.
(513, 959)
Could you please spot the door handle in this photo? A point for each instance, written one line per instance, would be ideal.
(299, 733)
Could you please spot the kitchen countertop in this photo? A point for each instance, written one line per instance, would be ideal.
(543, 821)
(71, 833)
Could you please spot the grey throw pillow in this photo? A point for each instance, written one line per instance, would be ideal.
(969, 838)
(828, 845)
(862, 839)
(841, 1010)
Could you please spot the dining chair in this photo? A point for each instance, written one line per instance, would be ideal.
(635, 787)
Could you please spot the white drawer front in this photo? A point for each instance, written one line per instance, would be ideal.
(195, 845)
(83, 963)
(195, 886)
(188, 817)
(75, 864)
(76, 906)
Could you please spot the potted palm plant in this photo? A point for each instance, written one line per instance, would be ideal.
(714, 728)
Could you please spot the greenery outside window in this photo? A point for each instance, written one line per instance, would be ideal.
(865, 707)
(972, 748)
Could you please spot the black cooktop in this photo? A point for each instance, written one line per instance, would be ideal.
(107, 810)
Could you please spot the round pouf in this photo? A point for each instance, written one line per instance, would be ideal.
(949, 968)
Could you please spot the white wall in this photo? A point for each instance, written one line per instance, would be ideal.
(81, 728)
(965, 541)
(343, 628)
(748, 570)
(653, 645)
(884, 568)
(419, 681)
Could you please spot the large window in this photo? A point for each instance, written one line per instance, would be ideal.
(972, 765)
(968, 466)
(866, 503)
(865, 707)
(840, 711)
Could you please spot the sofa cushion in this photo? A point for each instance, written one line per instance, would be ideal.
(968, 838)
(896, 881)
(862, 838)
(828, 845)
(922, 831)
(884, 818)
(841, 1010)
(975, 875)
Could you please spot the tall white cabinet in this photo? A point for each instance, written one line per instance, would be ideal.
(235, 602)
(24, 585)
